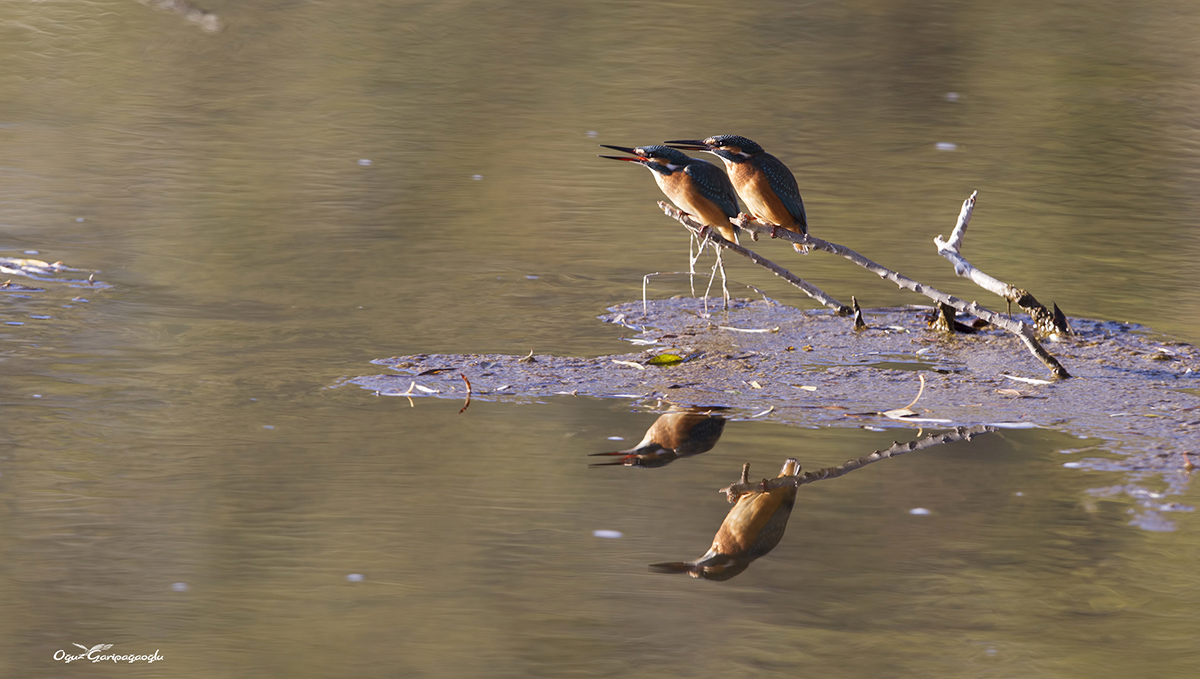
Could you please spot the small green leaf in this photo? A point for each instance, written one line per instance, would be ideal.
(665, 359)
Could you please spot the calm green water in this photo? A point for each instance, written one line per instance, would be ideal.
(176, 474)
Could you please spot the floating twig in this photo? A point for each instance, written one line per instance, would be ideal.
(468, 403)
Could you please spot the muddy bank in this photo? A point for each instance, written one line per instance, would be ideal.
(1138, 391)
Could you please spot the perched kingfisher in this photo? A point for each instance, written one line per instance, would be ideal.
(695, 186)
(679, 433)
(766, 185)
(751, 529)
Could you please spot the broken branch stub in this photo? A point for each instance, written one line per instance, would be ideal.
(1044, 321)
(859, 323)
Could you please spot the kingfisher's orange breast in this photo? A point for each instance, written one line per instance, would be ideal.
(680, 188)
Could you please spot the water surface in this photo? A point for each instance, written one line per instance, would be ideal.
(315, 186)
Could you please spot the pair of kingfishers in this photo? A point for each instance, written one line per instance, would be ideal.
(763, 182)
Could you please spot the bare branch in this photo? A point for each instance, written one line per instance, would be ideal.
(1045, 321)
(1022, 331)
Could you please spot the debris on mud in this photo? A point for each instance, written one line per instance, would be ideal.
(1132, 388)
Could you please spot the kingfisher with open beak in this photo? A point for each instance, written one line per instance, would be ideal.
(765, 184)
(751, 529)
(695, 186)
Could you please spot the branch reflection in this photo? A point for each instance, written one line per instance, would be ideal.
(762, 509)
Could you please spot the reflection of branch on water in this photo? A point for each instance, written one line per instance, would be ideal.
(733, 492)
(759, 516)
(682, 432)
(207, 21)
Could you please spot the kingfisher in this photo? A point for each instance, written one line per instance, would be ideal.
(751, 529)
(695, 186)
(765, 184)
(679, 433)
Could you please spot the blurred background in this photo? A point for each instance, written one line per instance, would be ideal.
(272, 194)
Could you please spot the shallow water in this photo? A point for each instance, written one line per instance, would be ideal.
(178, 475)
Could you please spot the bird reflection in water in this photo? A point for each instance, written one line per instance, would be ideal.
(751, 529)
(681, 432)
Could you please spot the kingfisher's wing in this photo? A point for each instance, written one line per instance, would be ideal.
(784, 183)
(714, 184)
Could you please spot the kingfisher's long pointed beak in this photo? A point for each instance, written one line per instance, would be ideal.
(624, 149)
(688, 145)
(624, 459)
(618, 463)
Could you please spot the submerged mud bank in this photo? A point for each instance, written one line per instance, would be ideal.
(1138, 391)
